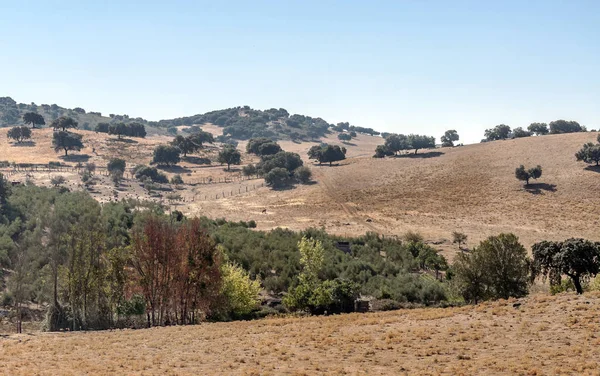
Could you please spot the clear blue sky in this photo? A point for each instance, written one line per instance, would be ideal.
(397, 66)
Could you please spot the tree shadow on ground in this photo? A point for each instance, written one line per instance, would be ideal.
(75, 158)
(124, 140)
(593, 168)
(174, 169)
(429, 154)
(232, 169)
(348, 143)
(539, 188)
(288, 187)
(24, 144)
(197, 160)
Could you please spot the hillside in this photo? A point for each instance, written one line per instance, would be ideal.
(239, 123)
(471, 189)
(539, 335)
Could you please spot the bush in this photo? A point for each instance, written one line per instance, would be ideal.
(496, 269)
(249, 170)
(166, 155)
(116, 165)
(303, 174)
(151, 173)
(57, 180)
(176, 180)
(239, 291)
(278, 177)
(525, 175)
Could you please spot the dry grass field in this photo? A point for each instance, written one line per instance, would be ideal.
(471, 189)
(544, 335)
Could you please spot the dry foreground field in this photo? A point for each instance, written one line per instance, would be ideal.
(539, 335)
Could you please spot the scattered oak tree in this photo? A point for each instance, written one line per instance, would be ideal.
(499, 132)
(66, 141)
(589, 153)
(344, 137)
(576, 258)
(395, 143)
(34, 119)
(417, 141)
(325, 153)
(166, 155)
(524, 175)
(520, 133)
(539, 129)
(565, 126)
(230, 155)
(449, 137)
(63, 123)
(19, 134)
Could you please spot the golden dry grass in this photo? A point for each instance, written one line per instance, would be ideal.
(471, 189)
(546, 335)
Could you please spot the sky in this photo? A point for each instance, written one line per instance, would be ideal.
(396, 66)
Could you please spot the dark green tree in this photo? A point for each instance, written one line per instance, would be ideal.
(499, 132)
(278, 177)
(344, 137)
(576, 258)
(381, 151)
(19, 134)
(116, 165)
(520, 133)
(589, 153)
(417, 141)
(66, 141)
(102, 127)
(539, 129)
(396, 143)
(449, 137)
(185, 144)
(63, 123)
(33, 118)
(166, 155)
(565, 126)
(119, 129)
(533, 173)
(230, 155)
(326, 153)
(496, 269)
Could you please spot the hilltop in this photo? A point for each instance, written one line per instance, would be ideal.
(240, 123)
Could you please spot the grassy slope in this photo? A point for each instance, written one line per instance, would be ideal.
(545, 335)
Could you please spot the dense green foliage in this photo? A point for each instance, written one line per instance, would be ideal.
(121, 129)
(143, 172)
(449, 137)
(539, 129)
(63, 123)
(19, 134)
(229, 155)
(499, 132)
(565, 126)
(496, 269)
(166, 155)
(66, 141)
(576, 258)
(589, 153)
(34, 119)
(326, 153)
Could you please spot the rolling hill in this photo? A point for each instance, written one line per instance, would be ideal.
(471, 189)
